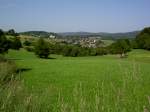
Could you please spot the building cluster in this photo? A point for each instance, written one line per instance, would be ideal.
(89, 42)
(52, 36)
(92, 42)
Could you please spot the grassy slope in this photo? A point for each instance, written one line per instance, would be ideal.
(107, 42)
(64, 73)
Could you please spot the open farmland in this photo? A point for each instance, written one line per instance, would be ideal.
(105, 83)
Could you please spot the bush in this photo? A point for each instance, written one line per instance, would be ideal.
(56, 48)
(84, 51)
(27, 43)
(101, 51)
(67, 50)
(92, 52)
(74, 52)
(29, 48)
(2, 58)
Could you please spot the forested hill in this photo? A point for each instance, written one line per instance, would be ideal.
(103, 35)
(38, 33)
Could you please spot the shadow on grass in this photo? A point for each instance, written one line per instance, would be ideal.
(19, 70)
(47, 58)
(14, 59)
(50, 58)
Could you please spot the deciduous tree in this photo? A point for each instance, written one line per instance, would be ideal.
(42, 48)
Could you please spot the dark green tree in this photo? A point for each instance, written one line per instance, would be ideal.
(134, 44)
(16, 43)
(27, 43)
(42, 48)
(92, 52)
(4, 43)
(121, 46)
(58, 48)
(12, 32)
(74, 51)
(143, 39)
(67, 50)
(83, 51)
(101, 51)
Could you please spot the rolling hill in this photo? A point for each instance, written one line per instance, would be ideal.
(103, 35)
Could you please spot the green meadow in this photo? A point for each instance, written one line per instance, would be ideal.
(86, 84)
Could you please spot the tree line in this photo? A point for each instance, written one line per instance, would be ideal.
(11, 43)
(43, 48)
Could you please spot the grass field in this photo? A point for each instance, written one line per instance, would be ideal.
(88, 84)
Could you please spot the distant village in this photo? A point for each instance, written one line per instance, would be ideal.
(91, 42)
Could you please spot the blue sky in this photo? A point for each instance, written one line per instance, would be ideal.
(75, 15)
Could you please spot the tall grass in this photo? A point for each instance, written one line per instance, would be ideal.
(7, 71)
(124, 95)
